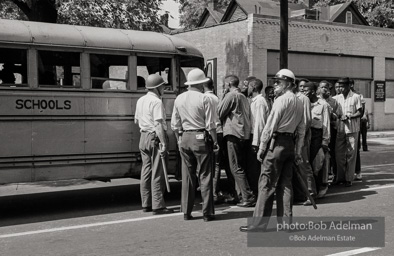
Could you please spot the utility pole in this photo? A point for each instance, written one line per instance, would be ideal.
(284, 33)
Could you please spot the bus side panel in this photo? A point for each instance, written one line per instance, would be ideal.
(63, 172)
(109, 137)
(112, 170)
(58, 137)
(15, 138)
(15, 175)
(107, 105)
(45, 104)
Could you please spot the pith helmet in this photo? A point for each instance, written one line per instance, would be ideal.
(196, 76)
(154, 81)
(285, 74)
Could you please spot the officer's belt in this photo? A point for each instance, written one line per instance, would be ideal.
(286, 134)
(200, 130)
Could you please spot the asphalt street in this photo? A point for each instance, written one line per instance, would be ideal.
(94, 218)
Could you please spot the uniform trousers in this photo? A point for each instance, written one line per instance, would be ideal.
(276, 175)
(237, 150)
(196, 165)
(346, 155)
(152, 183)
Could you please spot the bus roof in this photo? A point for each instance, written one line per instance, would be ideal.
(38, 33)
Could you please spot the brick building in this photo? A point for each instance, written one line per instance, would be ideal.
(318, 50)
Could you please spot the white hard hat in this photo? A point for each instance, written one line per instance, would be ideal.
(285, 74)
(196, 76)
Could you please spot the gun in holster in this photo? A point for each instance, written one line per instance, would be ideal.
(208, 138)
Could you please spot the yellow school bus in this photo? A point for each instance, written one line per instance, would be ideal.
(68, 96)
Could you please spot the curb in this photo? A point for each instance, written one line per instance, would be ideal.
(380, 135)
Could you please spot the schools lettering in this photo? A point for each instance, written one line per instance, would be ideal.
(43, 104)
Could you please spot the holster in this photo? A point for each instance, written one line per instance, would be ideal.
(272, 143)
(208, 138)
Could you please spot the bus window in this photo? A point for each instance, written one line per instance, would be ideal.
(150, 65)
(108, 72)
(13, 71)
(187, 64)
(58, 69)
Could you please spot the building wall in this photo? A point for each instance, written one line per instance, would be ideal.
(242, 48)
(331, 38)
(226, 42)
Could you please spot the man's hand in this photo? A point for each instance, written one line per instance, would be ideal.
(216, 147)
(260, 155)
(325, 148)
(298, 159)
(345, 118)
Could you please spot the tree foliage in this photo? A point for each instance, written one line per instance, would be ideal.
(191, 11)
(126, 14)
(378, 13)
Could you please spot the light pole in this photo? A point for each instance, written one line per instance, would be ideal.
(284, 33)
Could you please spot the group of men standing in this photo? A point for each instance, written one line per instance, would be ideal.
(259, 139)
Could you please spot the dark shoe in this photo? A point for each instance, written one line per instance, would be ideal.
(147, 209)
(365, 149)
(249, 203)
(348, 184)
(187, 217)
(209, 218)
(162, 211)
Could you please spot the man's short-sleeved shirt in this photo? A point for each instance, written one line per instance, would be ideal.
(149, 109)
(215, 103)
(349, 106)
(193, 111)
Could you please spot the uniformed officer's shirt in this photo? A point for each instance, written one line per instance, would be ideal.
(287, 116)
(193, 110)
(149, 109)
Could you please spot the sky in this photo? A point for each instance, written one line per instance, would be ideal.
(172, 7)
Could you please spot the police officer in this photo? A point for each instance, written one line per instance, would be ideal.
(194, 124)
(151, 118)
(277, 148)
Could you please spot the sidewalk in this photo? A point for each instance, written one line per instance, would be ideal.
(380, 134)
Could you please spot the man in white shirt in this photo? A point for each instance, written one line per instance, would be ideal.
(259, 109)
(193, 119)
(151, 118)
(279, 150)
(348, 130)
